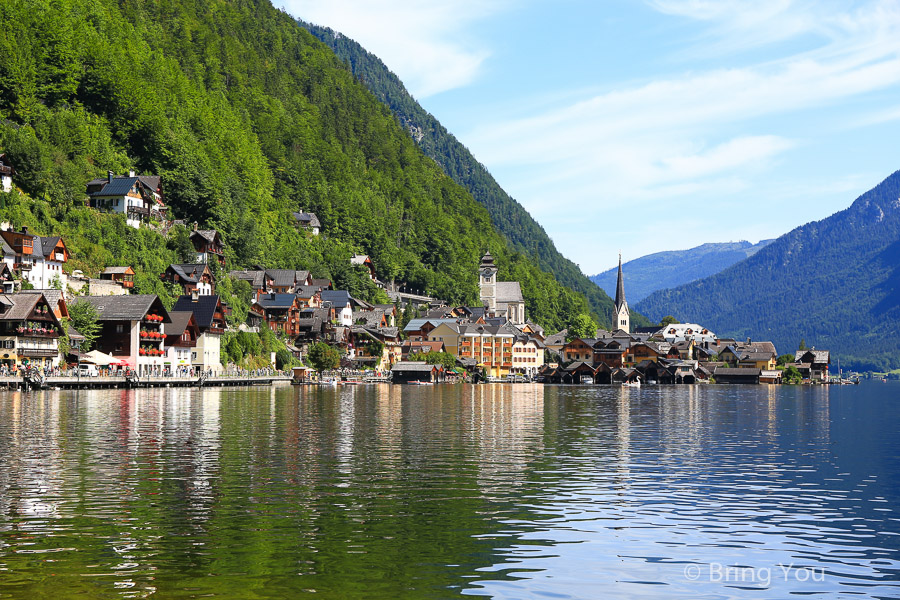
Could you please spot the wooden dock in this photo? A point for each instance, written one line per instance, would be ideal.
(95, 383)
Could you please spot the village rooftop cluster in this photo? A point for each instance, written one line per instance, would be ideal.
(491, 341)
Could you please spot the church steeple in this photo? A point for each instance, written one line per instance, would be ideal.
(620, 287)
(622, 314)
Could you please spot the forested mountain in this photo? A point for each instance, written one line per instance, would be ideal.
(509, 217)
(247, 117)
(669, 269)
(833, 283)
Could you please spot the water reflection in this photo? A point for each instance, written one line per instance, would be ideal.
(512, 491)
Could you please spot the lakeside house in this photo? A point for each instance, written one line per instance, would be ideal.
(210, 314)
(132, 330)
(30, 327)
(181, 339)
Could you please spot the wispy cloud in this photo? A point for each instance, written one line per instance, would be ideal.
(425, 43)
(692, 132)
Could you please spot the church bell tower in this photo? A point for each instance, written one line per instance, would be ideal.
(487, 277)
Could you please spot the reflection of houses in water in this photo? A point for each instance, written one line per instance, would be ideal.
(30, 480)
(506, 429)
(683, 419)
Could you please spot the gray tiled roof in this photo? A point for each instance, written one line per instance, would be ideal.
(121, 308)
(557, 338)
(20, 306)
(115, 270)
(257, 279)
(203, 308)
(46, 244)
(190, 272)
(180, 320)
(307, 219)
(306, 291)
(509, 291)
(338, 298)
(208, 234)
(276, 300)
(282, 277)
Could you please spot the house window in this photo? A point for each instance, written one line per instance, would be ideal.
(120, 328)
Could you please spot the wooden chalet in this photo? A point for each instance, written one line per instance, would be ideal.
(208, 245)
(124, 276)
(192, 277)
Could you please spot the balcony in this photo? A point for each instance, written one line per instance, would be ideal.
(36, 332)
(22, 266)
(137, 210)
(38, 352)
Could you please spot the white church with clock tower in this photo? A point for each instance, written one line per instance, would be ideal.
(501, 298)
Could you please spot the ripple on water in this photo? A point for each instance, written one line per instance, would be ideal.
(508, 491)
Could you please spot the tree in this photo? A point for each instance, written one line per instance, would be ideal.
(792, 375)
(582, 326)
(180, 243)
(445, 359)
(86, 321)
(284, 359)
(802, 345)
(323, 357)
(785, 359)
(668, 320)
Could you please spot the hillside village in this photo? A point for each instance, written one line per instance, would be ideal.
(415, 337)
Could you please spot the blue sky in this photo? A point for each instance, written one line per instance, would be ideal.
(655, 125)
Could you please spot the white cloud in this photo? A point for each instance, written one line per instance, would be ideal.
(697, 132)
(425, 43)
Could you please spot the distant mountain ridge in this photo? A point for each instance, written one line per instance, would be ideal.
(668, 269)
(833, 283)
(509, 217)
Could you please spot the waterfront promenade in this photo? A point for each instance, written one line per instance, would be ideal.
(72, 382)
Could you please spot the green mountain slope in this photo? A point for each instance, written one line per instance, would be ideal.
(509, 217)
(834, 283)
(669, 269)
(246, 117)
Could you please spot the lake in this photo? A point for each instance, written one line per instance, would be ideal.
(506, 491)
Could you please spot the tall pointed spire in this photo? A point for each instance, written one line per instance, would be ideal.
(620, 287)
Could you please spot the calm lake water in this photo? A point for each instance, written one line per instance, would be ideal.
(412, 492)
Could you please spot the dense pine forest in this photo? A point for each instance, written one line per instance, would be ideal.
(246, 117)
(522, 232)
(834, 283)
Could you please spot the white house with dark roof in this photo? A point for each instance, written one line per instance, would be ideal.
(210, 315)
(138, 197)
(37, 259)
(308, 221)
